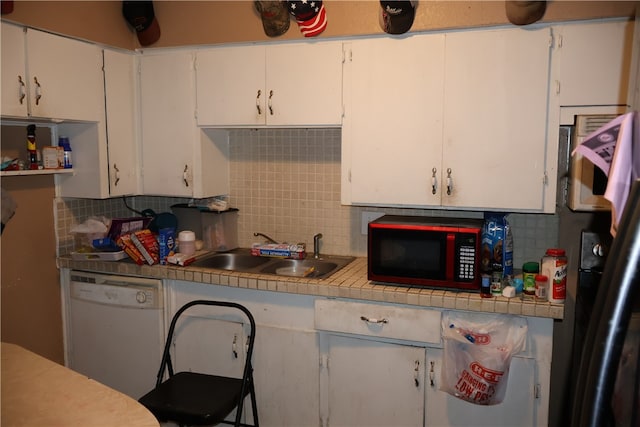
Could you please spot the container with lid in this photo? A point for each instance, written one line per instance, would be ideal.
(542, 284)
(554, 266)
(187, 242)
(529, 271)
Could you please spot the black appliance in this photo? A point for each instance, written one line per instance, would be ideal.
(425, 251)
(607, 380)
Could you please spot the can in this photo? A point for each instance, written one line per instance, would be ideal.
(554, 266)
(485, 286)
(542, 284)
(529, 271)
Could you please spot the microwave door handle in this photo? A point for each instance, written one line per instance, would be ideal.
(451, 249)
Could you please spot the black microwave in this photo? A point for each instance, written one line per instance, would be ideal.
(425, 251)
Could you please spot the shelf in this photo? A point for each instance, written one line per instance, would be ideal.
(37, 172)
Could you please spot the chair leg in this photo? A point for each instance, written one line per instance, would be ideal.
(254, 406)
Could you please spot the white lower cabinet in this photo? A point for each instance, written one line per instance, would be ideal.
(517, 408)
(333, 362)
(372, 383)
(286, 355)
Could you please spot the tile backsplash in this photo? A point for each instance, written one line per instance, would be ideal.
(286, 183)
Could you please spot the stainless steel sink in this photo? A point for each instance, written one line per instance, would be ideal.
(241, 260)
(238, 260)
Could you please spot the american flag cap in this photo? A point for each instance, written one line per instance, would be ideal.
(310, 15)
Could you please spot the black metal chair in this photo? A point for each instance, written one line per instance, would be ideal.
(191, 398)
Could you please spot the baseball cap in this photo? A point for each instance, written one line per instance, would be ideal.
(525, 12)
(396, 17)
(275, 17)
(310, 16)
(140, 15)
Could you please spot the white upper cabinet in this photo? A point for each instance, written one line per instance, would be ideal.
(275, 85)
(14, 76)
(178, 159)
(61, 78)
(122, 110)
(495, 121)
(392, 131)
(593, 62)
(455, 120)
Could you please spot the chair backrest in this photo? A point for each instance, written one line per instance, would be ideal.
(166, 363)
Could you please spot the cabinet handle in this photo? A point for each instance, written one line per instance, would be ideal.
(258, 102)
(270, 104)
(372, 320)
(449, 182)
(432, 375)
(116, 175)
(234, 346)
(185, 175)
(21, 89)
(433, 180)
(38, 90)
(416, 378)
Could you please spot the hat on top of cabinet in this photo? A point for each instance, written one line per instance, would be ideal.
(275, 17)
(310, 16)
(396, 17)
(525, 12)
(141, 16)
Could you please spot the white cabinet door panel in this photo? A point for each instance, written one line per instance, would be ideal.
(495, 115)
(374, 383)
(517, 409)
(231, 86)
(169, 130)
(69, 73)
(14, 76)
(392, 133)
(121, 109)
(594, 62)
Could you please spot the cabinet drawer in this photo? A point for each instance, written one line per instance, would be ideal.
(378, 320)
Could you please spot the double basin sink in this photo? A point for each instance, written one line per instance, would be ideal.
(241, 260)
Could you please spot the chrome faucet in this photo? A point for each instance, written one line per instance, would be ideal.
(316, 245)
(269, 239)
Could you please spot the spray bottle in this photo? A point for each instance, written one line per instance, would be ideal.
(32, 149)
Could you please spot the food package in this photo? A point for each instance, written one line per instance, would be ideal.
(497, 244)
(147, 244)
(279, 250)
(125, 242)
(166, 244)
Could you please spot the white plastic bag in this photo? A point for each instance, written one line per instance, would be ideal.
(477, 354)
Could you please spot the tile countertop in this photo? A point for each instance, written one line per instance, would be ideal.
(349, 282)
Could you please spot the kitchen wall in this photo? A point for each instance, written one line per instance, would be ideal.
(286, 183)
(210, 22)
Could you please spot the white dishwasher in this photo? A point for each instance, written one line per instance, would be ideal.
(115, 329)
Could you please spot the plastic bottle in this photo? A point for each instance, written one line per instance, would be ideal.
(542, 285)
(32, 149)
(187, 242)
(63, 142)
(529, 271)
(554, 266)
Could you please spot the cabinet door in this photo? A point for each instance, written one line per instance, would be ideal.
(14, 77)
(304, 84)
(169, 131)
(231, 86)
(495, 114)
(374, 383)
(517, 409)
(286, 374)
(392, 133)
(594, 62)
(69, 78)
(120, 93)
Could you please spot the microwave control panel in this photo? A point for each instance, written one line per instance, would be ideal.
(466, 250)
